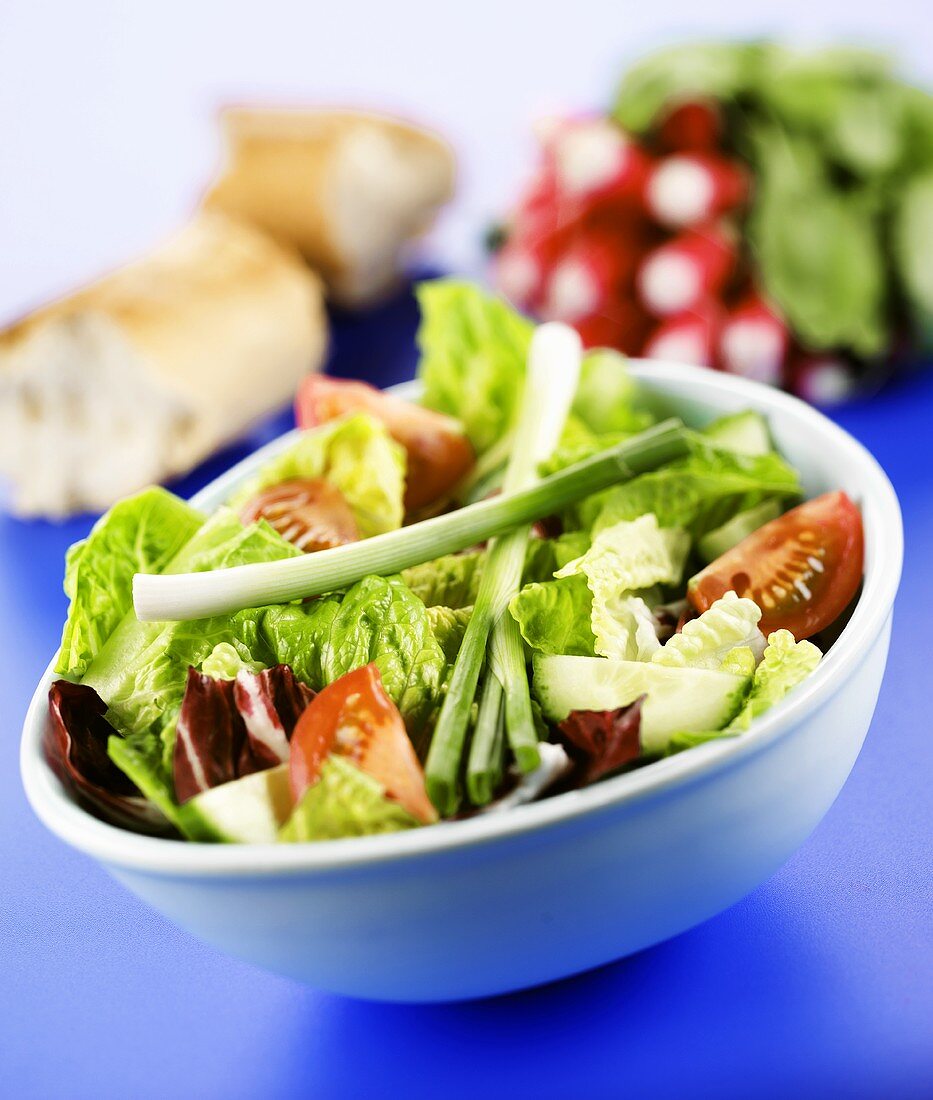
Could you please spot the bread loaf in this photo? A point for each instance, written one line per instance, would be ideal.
(348, 189)
(143, 373)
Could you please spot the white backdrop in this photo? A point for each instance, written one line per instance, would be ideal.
(106, 108)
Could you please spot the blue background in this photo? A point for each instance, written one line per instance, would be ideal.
(817, 984)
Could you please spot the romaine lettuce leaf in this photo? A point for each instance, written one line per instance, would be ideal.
(379, 619)
(357, 455)
(473, 351)
(142, 669)
(345, 801)
(450, 581)
(625, 627)
(225, 662)
(698, 492)
(630, 555)
(607, 396)
(624, 560)
(139, 535)
(554, 616)
(449, 625)
(785, 664)
(706, 641)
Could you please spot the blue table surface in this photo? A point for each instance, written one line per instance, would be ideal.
(817, 984)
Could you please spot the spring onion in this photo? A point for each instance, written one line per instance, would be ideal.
(487, 749)
(550, 384)
(177, 596)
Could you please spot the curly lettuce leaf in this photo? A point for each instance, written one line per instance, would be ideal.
(473, 350)
(699, 492)
(624, 560)
(449, 625)
(139, 535)
(142, 669)
(345, 801)
(379, 619)
(450, 581)
(355, 454)
(706, 641)
(785, 664)
(606, 400)
(554, 616)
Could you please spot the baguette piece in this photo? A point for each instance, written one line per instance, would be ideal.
(143, 373)
(347, 189)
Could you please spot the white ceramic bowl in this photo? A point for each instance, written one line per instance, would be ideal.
(496, 903)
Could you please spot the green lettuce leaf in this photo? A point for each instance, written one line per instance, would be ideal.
(379, 619)
(785, 664)
(706, 641)
(473, 351)
(449, 625)
(139, 535)
(355, 454)
(345, 801)
(450, 581)
(554, 616)
(225, 662)
(142, 668)
(818, 248)
(606, 401)
(699, 492)
(623, 563)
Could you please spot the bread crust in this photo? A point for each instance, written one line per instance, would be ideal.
(348, 189)
(212, 331)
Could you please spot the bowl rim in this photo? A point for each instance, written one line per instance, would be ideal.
(180, 858)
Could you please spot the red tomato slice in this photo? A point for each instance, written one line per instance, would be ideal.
(802, 569)
(309, 512)
(353, 716)
(439, 453)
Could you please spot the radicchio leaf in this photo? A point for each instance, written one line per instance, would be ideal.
(602, 741)
(231, 728)
(75, 746)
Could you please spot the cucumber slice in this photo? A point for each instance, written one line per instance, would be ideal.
(744, 432)
(678, 699)
(715, 543)
(245, 811)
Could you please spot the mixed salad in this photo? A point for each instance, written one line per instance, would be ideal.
(524, 584)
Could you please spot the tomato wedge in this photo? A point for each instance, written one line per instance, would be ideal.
(353, 716)
(802, 569)
(439, 453)
(309, 512)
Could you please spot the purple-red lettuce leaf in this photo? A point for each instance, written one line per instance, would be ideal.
(602, 741)
(75, 746)
(231, 728)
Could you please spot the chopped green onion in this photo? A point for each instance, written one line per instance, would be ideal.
(487, 749)
(176, 596)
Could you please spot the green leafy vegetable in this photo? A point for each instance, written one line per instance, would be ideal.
(706, 642)
(225, 662)
(379, 619)
(448, 625)
(473, 351)
(142, 668)
(699, 492)
(913, 242)
(785, 664)
(355, 454)
(625, 559)
(450, 581)
(139, 535)
(818, 248)
(606, 401)
(554, 617)
(345, 801)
